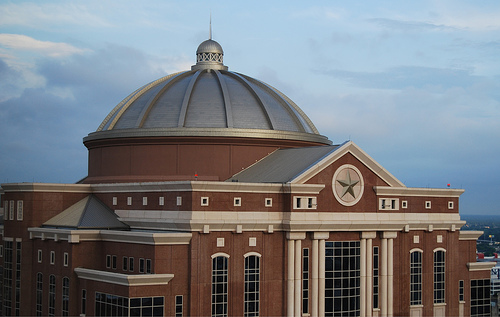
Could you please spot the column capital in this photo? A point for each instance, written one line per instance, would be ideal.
(389, 235)
(295, 235)
(368, 234)
(321, 235)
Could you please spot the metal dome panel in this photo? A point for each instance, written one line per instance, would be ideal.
(208, 97)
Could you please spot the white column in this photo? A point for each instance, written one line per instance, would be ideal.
(298, 278)
(383, 278)
(318, 299)
(321, 279)
(368, 299)
(369, 277)
(390, 236)
(390, 277)
(314, 278)
(290, 285)
(362, 268)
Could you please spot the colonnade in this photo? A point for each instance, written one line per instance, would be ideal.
(317, 276)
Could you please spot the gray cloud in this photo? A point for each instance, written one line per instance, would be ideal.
(406, 76)
(409, 26)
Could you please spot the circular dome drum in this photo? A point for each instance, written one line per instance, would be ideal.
(204, 105)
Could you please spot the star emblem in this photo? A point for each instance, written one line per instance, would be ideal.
(348, 185)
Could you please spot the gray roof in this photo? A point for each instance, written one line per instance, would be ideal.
(283, 165)
(88, 213)
(209, 97)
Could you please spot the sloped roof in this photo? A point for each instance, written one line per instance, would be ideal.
(283, 165)
(88, 213)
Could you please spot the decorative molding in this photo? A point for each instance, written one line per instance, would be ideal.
(412, 191)
(47, 187)
(480, 266)
(123, 279)
(469, 235)
(77, 236)
(356, 151)
(207, 186)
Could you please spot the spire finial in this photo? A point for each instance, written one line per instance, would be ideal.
(210, 31)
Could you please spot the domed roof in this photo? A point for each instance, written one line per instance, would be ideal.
(208, 100)
(209, 46)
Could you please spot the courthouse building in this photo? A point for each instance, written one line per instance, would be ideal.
(212, 193)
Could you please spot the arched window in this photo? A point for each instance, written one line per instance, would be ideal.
(39, 293)
(252, 284)
(52, 295)
(416, 277)
(439, 275)
(219, 284)
(65, 296)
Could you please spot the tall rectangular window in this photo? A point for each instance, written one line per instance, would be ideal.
(141, 265)
(84, 302)
(125, 263)
(18, 277)
(376, 274)
(480, 298)
(52, 295)
(439, 276)
(65, 296)
(219, 286)
(148, 266)
(39, 293)
(252, 285)
(178, 306)
(7, 278)
(461, 287)
(20, 210)
(342, 278)
(66, 259)
(416, 278)
(11, 214)
(131, 264)
(305, 281)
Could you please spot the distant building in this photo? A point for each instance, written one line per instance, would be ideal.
(211, 193)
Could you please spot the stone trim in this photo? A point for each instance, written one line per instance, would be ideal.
(480, 266)
(207, 186)
(412, 191)
(123, 279)
(356, 151)
(77, 236)
(47, 187)
(469, 235)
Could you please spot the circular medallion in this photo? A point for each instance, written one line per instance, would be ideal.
(347, 185)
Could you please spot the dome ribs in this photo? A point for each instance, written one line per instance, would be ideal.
(152, 101)
(185, 101)
(137, 95)
(245, 82)
(227, 100)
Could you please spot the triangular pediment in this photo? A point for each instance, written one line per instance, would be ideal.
(341, 151)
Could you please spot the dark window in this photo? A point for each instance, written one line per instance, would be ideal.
(480, 305)
(375, 276)
(219, 286)
(252, 285)
(439, 276)
(416, 278)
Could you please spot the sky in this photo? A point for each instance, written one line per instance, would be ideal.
(416, 84)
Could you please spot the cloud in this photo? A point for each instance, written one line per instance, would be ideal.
(42, 127)
(42, 15)
(47, 48)
(406, 76)
(409, 26)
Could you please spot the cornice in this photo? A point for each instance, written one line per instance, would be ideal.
(46, 187)
(412, 191)
(123, 279)
(480, 266)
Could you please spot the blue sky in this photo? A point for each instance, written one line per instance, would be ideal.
(416, 84)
